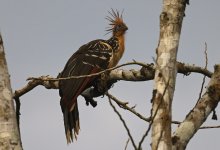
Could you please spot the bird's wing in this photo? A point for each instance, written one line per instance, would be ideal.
(90, 58)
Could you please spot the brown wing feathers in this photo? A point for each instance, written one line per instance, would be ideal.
(90, 58)
(85, 61)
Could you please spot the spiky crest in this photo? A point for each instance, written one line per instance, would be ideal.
(115, 19)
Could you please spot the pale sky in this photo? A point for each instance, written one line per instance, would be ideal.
(40, 36)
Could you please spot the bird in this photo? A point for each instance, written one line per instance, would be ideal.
(93, 57)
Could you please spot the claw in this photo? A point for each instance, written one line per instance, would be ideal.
(91, 102)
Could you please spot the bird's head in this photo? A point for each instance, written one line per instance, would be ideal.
(117, 26)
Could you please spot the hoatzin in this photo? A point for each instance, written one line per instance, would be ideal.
(90, 58)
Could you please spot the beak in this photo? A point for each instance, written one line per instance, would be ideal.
(125, 28)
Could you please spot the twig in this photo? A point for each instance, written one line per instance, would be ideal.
(124, 123)
(91, 75)
(124, 106)
(127, 144)
(203, 80)
(144, 136)
(209, 127)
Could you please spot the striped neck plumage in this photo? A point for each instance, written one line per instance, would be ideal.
(114, 42)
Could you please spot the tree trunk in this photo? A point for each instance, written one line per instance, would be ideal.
(9, 133)
(165, 75)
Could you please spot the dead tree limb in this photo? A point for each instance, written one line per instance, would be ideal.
(207, 103)
(124, 106)
(124, 123)
(144, 74)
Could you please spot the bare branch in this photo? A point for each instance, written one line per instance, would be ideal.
(210, 127)
(34, 83)
(202, 109)
(186, 69)
(206, 55)
(206, 64)
(124, 123)
(124, 106)
(145, 135)
(127, 144)
(144, 74)
(90, 75)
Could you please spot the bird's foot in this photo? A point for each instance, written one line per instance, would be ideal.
(91, 102)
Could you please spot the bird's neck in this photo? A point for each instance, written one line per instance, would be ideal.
(118, 46)
(121, 44)
(117, 43)
(121, 41)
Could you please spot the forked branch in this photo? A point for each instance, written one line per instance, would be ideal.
(145, 73)
(207, 103)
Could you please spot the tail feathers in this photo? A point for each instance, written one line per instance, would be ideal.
(71, 123)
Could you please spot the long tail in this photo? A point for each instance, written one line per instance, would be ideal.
(71, 123)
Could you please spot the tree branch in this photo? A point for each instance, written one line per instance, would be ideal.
(34, 83)
(124, 106)
(210, 127)
(186, 69)
(206, 64)
(144, 74)
(94, 74)
(124, 123)
(126, 144)
(207, 103)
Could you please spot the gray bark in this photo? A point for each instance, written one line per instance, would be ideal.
(165, 73)
(9, 133)
(199, 114)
